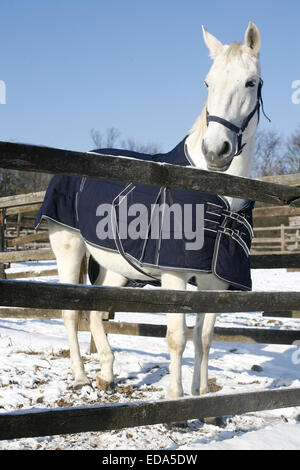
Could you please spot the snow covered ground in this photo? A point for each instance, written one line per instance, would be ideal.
(35, 373)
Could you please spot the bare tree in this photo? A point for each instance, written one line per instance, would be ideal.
(268, 154)
(111, 140)
(9, 180)
(131, 144)
(17, 182)
(108, 140)
(292, 156)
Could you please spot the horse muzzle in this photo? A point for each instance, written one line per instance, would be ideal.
(218, 159)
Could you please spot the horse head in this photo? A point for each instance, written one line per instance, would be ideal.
(234, 96)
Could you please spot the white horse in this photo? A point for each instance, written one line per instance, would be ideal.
(233, 88)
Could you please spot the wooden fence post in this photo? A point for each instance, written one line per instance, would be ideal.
(282, 235)
(19, 222)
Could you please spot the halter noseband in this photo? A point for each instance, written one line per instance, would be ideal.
(239, 130)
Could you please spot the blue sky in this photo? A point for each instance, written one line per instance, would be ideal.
(136, 65)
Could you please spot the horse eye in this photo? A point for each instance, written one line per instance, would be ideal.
(206, 84)
(250, 84)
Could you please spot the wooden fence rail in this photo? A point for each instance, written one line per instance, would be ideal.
(265, 261)
(36, 198)
(45, 422)
(224, 334)
(26, 255)
(25, 239)
(26, 274)
(21, 199)
(66, 162)
(125, 299)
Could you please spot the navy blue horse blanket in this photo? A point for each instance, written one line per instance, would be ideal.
(105, 211)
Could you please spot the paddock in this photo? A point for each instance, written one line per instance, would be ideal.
(23, 295)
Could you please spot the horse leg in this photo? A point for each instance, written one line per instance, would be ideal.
(69, 249)
(105, 378)
(176, 335)
(203, 335)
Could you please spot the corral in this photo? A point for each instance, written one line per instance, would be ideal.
(41, 296)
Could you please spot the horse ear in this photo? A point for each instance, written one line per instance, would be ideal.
(252, 38)
(213, 44)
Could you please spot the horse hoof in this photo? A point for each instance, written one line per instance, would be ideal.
(78, 385)
(108, 387)
(180, 426)
(217, 421)
(111, 389)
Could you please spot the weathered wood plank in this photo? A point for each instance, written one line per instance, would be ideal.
(22, 199)
(290, 228)
(291, 179)
(123, 299)
(26, 274)
(271, 261)
(274, 261)
(256, 335)
(45, 422)
(266, 229)
(238, 335)
(266, 240)
(26, 255)
(27, 224)
(23, 240)
(23, 209)
(275, 211)
(29, 313)
(258, 261)
(67, 162)
(284, 314)
(37, 197)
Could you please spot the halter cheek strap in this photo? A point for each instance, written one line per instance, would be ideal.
(239, 130)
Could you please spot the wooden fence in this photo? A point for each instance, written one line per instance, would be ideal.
(17, 215)
(281, 239)
(276, 228)
(39, 422)
(51, 296)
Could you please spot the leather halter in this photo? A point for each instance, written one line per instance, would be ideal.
(239, 130)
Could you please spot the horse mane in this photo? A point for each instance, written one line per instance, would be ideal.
(200, 124)
(237, 49)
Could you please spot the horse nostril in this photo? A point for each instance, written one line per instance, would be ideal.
(225, 149)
